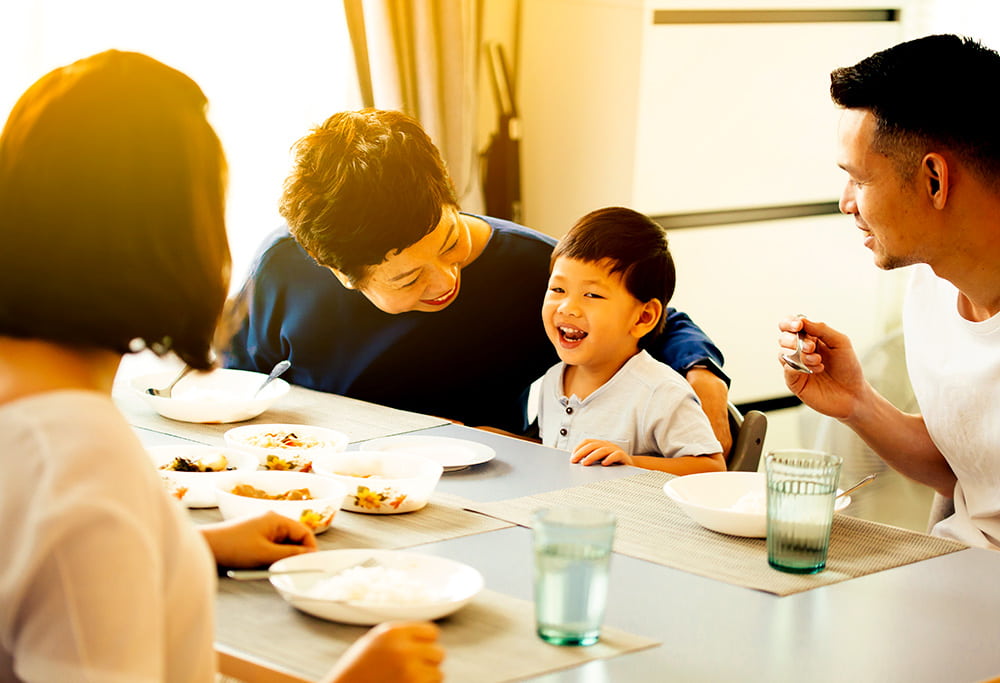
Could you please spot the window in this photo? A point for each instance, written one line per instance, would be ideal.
(270, 71)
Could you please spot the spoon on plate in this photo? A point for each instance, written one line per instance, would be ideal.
(864, 482)
(166, 391)
(794, 360)
(255, 574)
(276, 371)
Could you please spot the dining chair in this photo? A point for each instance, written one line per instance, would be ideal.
(748, 439)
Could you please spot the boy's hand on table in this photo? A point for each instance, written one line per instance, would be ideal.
(594, 451)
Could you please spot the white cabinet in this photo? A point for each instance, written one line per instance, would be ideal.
(624, 102)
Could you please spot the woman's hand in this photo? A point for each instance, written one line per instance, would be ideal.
(256, 541)
(401, 652)
(593, 451)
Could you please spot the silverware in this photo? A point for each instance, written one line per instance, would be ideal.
(864, 482)
(256, 574)
(794, 360)
(276, 372)
(166, 391)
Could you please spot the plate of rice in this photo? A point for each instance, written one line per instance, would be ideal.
(397, 585)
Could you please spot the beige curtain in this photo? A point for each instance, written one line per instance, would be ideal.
(422, 58)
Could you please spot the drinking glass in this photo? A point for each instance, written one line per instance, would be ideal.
(801, 488)
(572, 558)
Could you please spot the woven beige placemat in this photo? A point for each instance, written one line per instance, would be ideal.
(360, 420)
(491, 639)
(442, 519)
(652, 527)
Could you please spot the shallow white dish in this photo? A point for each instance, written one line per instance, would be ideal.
(384, 482)
(217, 397)
(318, 440)
(451, 584)
(709, 499)
(316, 513)
(200, 486)
(453, 454)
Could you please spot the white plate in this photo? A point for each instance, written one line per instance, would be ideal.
(452, 583)
(200, 486)
(218, 397)
(453, 454)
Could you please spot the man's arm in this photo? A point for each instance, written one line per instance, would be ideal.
(714, 396)
(687, 349)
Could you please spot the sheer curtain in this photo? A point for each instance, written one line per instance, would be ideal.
(424, 60)
(270, 71)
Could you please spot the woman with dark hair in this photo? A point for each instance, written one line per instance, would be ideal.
(112, 188)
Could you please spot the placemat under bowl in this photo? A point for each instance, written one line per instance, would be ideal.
(652, 527)
(442, 519)
(360, 420)
(492, 639)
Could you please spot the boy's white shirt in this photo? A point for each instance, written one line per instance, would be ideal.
(646, 408)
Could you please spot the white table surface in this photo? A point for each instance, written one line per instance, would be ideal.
(937, 620)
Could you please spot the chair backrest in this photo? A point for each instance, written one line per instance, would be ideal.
(748, 439)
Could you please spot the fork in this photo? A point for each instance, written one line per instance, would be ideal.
(255, 574)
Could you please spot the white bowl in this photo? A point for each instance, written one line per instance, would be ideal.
(316, 513)
(716, 501)
(449, 585)
(216, 397)
(199, 487)
(381, 482)
(249, 438)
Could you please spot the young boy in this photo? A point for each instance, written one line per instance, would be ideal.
(609, 401)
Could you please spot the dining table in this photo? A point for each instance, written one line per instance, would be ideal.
(684, 603)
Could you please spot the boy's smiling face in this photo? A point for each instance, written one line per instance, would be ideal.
(591, 318)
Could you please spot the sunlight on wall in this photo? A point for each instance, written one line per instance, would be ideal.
(270, 71)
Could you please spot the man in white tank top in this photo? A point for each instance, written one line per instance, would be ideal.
(922, 153)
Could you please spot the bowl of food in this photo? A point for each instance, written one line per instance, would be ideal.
(733, 503)
(381, 482)
(217, 397)
(367, 587)
(285, 446)
(308, 498)
(193, 469)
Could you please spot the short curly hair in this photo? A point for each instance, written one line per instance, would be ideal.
(364, 185)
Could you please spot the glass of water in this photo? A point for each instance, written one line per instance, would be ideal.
(801, 488)
(572, 559)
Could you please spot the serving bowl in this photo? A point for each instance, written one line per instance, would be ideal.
(285, 446)
(381, 482)
(403, 586)
(217, 397)
(316, 512)
(198, 486)
(733, 503)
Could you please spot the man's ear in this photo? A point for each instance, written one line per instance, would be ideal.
(344, 280)
(649, 316)
(934, 179)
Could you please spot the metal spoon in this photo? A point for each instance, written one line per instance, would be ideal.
(166, 392)
(255, 574)
(864, 482)
(794, 360)
(276, 372)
